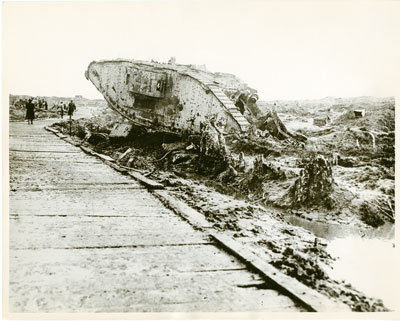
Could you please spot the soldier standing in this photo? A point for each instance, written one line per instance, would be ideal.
(61, 110)
(30, 111)
(71, 109)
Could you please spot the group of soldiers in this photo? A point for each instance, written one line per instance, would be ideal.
(42, 103)
(60, 107)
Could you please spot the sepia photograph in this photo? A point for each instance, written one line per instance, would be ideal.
(200, 159)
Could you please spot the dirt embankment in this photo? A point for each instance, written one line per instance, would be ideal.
(339, 175)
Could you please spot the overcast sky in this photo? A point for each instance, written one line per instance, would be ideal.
(285, 50)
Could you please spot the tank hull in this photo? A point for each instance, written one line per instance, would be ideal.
(175, 98)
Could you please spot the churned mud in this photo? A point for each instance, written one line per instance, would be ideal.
(257, 184)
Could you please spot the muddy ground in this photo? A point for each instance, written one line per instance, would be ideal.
(250, 197)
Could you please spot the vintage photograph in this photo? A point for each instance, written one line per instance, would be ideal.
(200, 157)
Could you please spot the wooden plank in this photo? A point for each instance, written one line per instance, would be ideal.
(149, 183)
(75, 231)
(42, 151)
(72, 142)
(87, 150)
(82, 188)
(181, 208)
(50, 129)
(116, 167)
(45, 172)
(89, 202)
(104, 157)
(61, 135)
(129, 280)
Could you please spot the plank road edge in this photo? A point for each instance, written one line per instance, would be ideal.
(307, 297)
(182, 209)
(54, 131)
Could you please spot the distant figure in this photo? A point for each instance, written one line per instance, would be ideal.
(71, 109)
(45, 104)
(30, 111)
(60, 108)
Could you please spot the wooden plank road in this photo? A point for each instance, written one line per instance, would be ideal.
(85, 238)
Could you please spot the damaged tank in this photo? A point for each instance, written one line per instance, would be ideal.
(175, 98)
